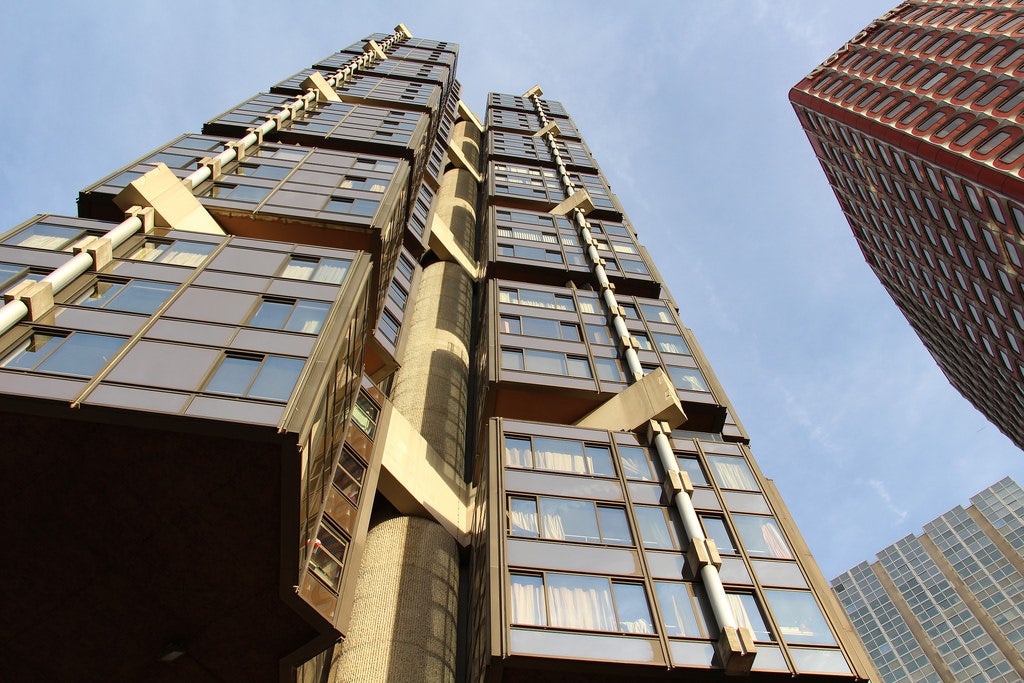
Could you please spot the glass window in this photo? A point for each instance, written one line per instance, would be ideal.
(528, 600)
(614, 527)
(355, 207)
(761, 537)
(554, 363)
(348, 477)
(239, 193)
(569, 520)
(137, 296)
(328, 555)
(656, 313)
(747, 613)
(565, 455)
(317, 270)
(680, 610)
(633, 610)
(293, 315)
(732, 473)
(523, 517)
(799, 618)
(655, 528)
(78, 354)
(690, 465)
(43, 236)
(518, 452)
(530, 297)
(716, 530)
(179, 253)
(265, 377)
(671, 343)
(635, 465)
(598, 334)
(687, 379)
(365, 414)
(643, 341)
(609, 369)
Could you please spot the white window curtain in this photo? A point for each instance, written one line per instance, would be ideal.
(528, 600)
(581, 602)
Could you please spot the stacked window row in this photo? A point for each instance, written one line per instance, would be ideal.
(265, 306)
(386, 92)
(596, 589)
(1003, 505)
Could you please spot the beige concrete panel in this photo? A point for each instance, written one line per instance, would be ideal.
(652, 398)
(580, 199)
(324, 91)
(418, 481)
(466, 113)
(403, 627)
(466, 138)
(454, 212)
(173, 204)
(432, 387)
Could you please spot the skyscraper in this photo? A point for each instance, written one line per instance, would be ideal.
(915, 122)
(946, 605)
(353, 366)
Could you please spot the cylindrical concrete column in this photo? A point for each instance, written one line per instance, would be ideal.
(431, 389)
(392, 638)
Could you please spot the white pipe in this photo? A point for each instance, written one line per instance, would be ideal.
(11, 314)
(127, 228)
(68, 271)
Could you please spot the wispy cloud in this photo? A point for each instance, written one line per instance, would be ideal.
(880, 489)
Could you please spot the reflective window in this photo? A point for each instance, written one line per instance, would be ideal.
(687, 379)
(747, 613)
(78, 354)
(732, 473)
(365, 414)
(681, 610)
(546, 362)
(599, 334)
(592, 603)
(293, 315)
(562, 519)
(266, 377)
(634, 463)
(532, 297)
(348, 477)
(559, 455)
(317, 270)
(656, 313)
(609, 369)
(655, 527)
(799, 618)
(716, 530)
(43, 236)
(540, 327)
(671, 343)
(179, 253)
(690, 465)
(137, 296)
(328, 555)
(522, 514)
(761, 537)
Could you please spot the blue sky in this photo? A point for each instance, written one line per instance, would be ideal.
(685, 106)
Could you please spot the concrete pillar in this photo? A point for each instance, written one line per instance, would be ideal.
(392, 638)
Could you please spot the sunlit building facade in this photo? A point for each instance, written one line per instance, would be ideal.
(353, 384)
(946, 606)
(916, 122)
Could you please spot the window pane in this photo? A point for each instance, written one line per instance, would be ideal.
(569, 520)
(671, 343)
(308, 317)
(299, 268)
(614, 527)
(539, 327)
(100, 294)
(598, 334)
(687, 379)
(578, 367)
(732, 473)
(328, 556)
(656, 313)
(31, 351)
(642, 341)
(272, 314)
(140, 296)
(581, 602)
(82, 354)
(569, 331)
(528, 600)
(599, 460)
(518, 452)
(545, 361)
(559, 454)
(631, 604)
(654, 527)
(677, 609)
(365, 414)
(799, 619)
(277, 378)
(331, 270)
(761, 537)
(42, 236)
(184, 253)
(510, 325)
(690, 465)
(523, 517)
(234, 375)
(609, 369)
(511, 359)
(634, 463)
(748, 614)
(714, 527)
